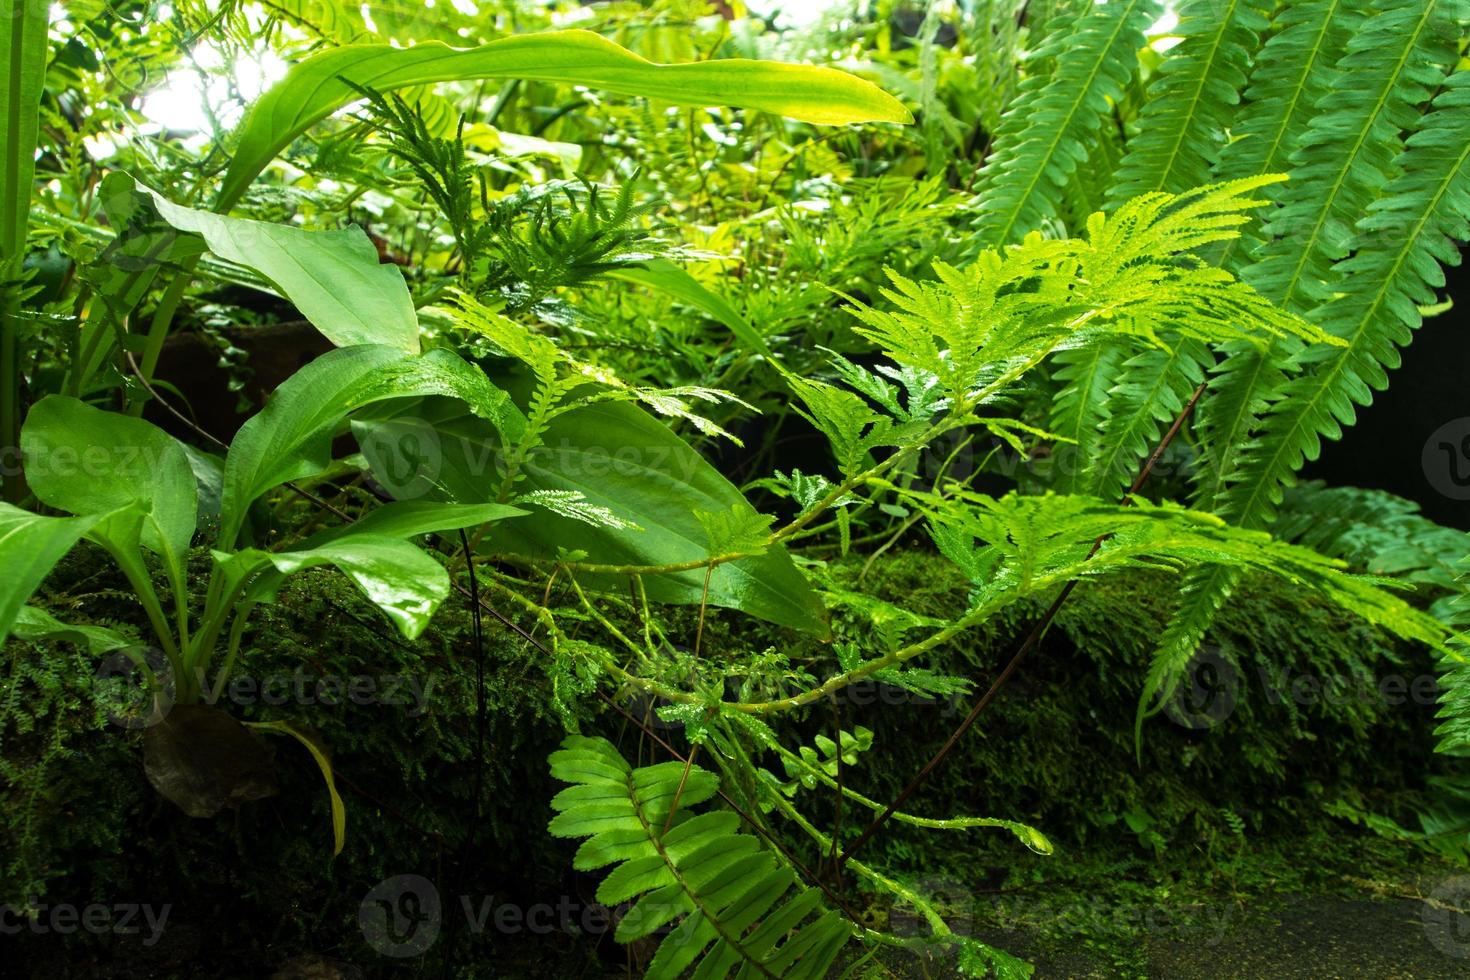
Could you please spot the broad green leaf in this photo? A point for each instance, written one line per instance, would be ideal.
(23, 26)
(406, 518)
(333, 277)
(30, 545)
(401, 580)
(37, 624)
(324, 763)
(291, 438)
(400, 519)
(84, 460)
(621, 458)
(320, 85)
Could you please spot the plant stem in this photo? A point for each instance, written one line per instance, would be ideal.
(14, 486)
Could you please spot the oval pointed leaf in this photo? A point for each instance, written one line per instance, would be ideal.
(333, 277)
(84, 460)
(621, 458)
(30, 545)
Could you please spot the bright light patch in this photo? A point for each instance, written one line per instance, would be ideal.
(1167, 24)
(799, 13)
(179, 103)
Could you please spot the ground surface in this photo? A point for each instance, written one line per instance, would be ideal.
(1302, 938)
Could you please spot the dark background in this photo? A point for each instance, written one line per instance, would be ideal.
(1385, 449)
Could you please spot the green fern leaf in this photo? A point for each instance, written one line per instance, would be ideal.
(1183, 124)
(1261, 425)
(1453, 730)
(739, 909)
(1082, 407)
(1293, 70)
(1150, 393)
(1423, 211)
(1045, 133)
(1392, 65)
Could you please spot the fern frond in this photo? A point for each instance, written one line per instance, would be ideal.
(1293, 70)
(1184, 123)
(1393, 64)
(574, 504)
(739, 908)
(1379, 533)
(1151, 391)
(1045, 133)
(1082, 408)
(1028, 544)
(1260, 425)
(1453, 730)
(1401, 242)
(1180, 132)
(1132, 276)
(1020, 546)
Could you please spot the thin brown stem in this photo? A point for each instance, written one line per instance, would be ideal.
(679, 792)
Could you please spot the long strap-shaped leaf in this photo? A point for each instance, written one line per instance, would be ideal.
(23, 25)
(317, 87)
(23, 60)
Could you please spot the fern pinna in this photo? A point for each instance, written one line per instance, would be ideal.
(731, 907)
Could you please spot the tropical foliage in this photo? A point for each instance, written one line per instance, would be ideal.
(575, 294)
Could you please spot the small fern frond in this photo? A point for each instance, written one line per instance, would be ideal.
(740, 911)
(1453, 730)
(1379, 533)
(1082, 408)
(1151, 391)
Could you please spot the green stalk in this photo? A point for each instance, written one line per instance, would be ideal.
(163, 318)
(14, 483)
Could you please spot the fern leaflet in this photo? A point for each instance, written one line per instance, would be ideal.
(740, 908)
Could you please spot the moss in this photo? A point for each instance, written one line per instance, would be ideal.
(1207, 809)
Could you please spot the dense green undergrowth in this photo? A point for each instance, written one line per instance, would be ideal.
(800, 488)
(1213, 819)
